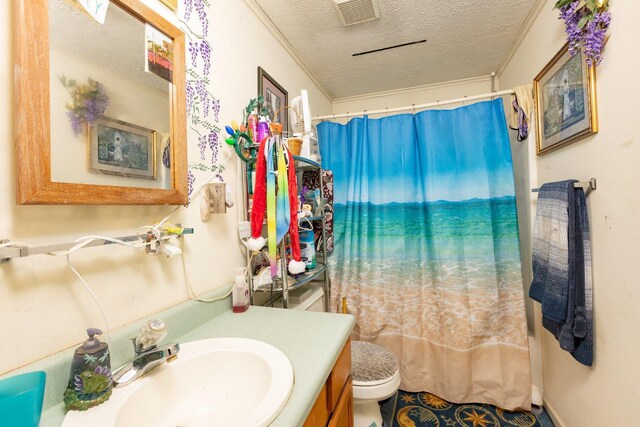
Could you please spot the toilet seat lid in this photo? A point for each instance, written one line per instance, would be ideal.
(376, 383)
(372, 364)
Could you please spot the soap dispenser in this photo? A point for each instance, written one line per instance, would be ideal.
(90, 381)
(240, 294)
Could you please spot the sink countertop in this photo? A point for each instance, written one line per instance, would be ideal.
(312, 341)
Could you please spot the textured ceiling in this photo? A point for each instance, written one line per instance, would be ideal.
(465, 38)
(118, 45)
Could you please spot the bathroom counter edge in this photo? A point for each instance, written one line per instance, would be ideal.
(312, 341)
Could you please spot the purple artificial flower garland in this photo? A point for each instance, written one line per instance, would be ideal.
(586, 27)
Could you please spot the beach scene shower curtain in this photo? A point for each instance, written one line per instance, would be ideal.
(426, 248)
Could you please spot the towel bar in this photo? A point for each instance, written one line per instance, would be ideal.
(591, 185)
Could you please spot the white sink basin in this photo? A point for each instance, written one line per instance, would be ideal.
(215, 382)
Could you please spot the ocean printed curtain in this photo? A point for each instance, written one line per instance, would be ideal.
(426, 248)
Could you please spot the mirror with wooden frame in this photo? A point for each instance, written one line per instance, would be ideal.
(100, 107)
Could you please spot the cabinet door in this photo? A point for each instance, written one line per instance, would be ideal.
(343, 415)
(320, 412)
(338, 376)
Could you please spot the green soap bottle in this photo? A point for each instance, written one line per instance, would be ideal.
(90, 381)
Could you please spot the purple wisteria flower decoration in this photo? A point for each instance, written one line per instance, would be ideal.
(199, 6)
(571, 18)
(213, 146)
(190, 180)
(190, 97)
(586, 27)
(203, 109)
(203, 95)
(215, 108)
(88, 103)
(193, 51)
(595, 37)
(202, 145)
(205, 51)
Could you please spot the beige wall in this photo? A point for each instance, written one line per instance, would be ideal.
(44, 307)
(607, 394)
(414, 95)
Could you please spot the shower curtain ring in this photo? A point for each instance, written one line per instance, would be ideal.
(465, 101)
(387, 108)
(413, 107)
(438, 103)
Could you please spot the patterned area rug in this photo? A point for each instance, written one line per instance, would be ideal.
(427, 410)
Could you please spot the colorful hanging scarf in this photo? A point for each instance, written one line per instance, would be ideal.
(283, 220)
(271, 208)
(262, 205)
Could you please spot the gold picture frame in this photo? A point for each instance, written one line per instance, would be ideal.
(122, 149)
(565, 99)
(171, 4)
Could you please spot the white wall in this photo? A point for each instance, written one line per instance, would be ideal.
(607, 394)
(414, 95)
(44, 307)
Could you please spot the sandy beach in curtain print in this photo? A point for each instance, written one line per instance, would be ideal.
(435, 252)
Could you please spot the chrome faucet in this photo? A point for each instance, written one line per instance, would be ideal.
(148, 355)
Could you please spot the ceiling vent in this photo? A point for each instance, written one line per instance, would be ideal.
(353, 12)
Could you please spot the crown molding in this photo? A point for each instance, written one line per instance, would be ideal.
(524, 30)
(268, 23)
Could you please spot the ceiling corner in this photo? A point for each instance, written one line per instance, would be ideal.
(262, 16)
(526, 26)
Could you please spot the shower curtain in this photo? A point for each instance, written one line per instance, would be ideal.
(426, 248)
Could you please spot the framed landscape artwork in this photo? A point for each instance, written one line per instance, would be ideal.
(565, 94)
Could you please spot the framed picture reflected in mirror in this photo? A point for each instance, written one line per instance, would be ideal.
(123, 149)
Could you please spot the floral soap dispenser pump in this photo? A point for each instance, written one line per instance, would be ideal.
(90, 381)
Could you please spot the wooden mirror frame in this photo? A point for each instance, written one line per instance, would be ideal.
(32, 117)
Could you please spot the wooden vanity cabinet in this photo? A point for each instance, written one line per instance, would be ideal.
(334, 405)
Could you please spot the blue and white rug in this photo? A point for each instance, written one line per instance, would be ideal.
(407, 409)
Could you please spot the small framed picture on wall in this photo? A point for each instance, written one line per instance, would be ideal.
(275, 99)
(565, 99)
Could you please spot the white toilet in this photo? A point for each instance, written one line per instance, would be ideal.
(376, 377)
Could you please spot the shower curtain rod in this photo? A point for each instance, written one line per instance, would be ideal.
(416, 107)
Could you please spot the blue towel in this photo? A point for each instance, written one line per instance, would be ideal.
(562, 267)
